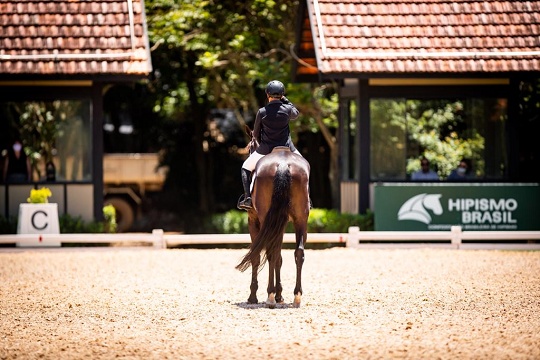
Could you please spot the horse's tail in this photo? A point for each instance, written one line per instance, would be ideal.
(270, 236)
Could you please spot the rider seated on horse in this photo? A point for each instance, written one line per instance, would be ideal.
(271, 129)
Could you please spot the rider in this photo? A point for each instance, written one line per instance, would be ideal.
(271, 129)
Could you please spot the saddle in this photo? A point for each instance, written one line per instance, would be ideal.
(281, 148)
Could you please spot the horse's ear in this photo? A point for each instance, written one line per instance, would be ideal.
(248, 130)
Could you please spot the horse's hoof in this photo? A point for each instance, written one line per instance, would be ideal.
(297, 300)
(271, 301)
(253, 300)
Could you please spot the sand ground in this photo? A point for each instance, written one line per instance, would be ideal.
(141, 303)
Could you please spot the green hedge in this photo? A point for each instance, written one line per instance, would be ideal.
(319, 221)
(231, 222)
(69, 224)
(76, 225)
(332, 221)
(8, 225)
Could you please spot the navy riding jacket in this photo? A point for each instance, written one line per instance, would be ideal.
(271, 127)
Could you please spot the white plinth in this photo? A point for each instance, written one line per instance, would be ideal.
(38, 219)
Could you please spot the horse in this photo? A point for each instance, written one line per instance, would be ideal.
(280, 193)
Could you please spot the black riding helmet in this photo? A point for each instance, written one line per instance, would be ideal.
(275, 89)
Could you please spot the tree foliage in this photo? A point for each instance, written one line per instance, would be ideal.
(227, 49)
(221, 54)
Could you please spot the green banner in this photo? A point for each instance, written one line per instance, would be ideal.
(474, 206)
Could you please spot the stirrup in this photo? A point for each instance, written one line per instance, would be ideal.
(244, 203)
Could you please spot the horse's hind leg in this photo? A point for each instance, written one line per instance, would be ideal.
(299, 260)
(279, 287)
(254, 228)
(271, 289)
(254, 283)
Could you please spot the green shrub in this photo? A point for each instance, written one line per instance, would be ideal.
(76, 225)
(332, 221)
(8, 225)
(231, 222)
(319, 221)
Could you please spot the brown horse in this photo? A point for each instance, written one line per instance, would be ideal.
(280, 194)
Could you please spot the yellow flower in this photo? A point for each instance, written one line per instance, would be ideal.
(39, 196)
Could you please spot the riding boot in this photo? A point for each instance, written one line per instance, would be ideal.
(246, 204)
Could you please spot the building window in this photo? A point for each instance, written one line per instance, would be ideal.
(58, 131)
(444, 131)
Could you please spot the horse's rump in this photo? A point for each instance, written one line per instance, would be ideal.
(269, 178)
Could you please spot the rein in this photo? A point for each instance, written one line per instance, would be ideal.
(252, 145)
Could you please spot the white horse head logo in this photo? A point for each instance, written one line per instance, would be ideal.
(415, 208)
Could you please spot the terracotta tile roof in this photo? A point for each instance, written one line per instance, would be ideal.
(65, 37)
(419, 36)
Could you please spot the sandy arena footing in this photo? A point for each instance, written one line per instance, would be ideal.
(140, 303)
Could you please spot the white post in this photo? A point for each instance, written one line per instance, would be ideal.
(353, 237)
(159, 241)
(456, 235)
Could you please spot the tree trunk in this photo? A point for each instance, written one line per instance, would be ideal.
(198, 115)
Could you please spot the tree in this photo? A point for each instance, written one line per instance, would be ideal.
(220, 54)
(318, 105)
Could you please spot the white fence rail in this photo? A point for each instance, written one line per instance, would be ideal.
(175, 240)
(354, 239)
(53, 240)
(452, 239)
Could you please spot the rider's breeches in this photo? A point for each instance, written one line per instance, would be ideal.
(251, 161)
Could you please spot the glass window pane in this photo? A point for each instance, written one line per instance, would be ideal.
(59, 131)
(442, 130)
(388, 139)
